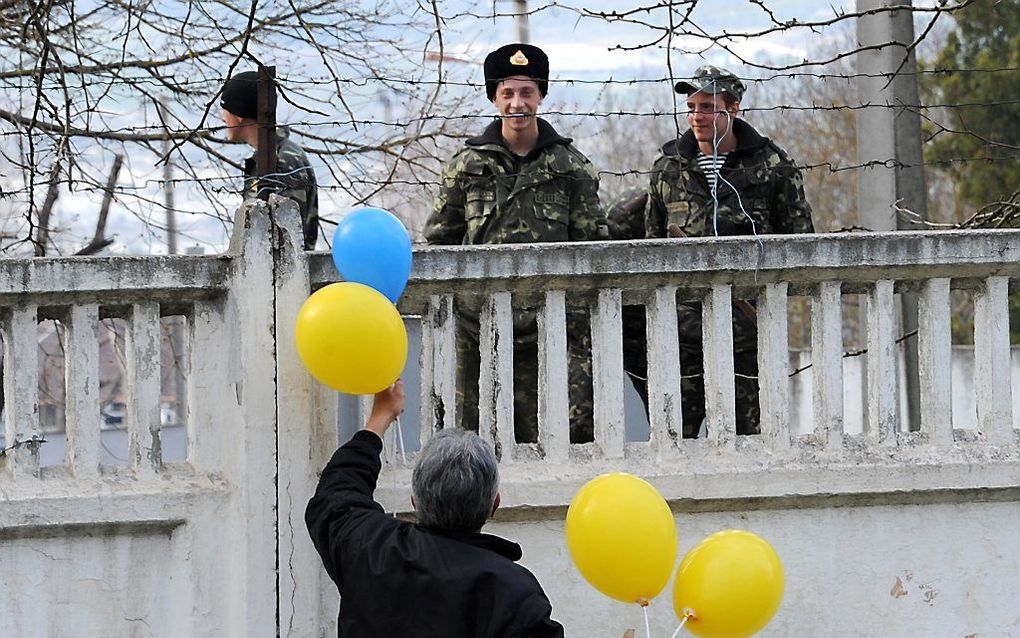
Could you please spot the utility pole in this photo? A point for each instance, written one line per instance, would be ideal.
(168, 181)
(521, 20)
(178, 386)
(889, 136)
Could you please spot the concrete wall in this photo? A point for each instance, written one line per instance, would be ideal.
(144, 543)
(882, 531)
(896, 570)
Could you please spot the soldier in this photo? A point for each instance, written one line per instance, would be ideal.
(294, 177)
(722, 177)
(520, 181)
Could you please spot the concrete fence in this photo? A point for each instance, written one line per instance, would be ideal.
(883, 531)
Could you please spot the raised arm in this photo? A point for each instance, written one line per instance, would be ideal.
(348, 482)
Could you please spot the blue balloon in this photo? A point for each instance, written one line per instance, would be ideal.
(372, 247)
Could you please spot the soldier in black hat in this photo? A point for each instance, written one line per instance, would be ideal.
(294, 177)
(520, 181)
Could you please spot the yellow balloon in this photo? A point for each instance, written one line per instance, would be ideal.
(351, 338)
(622, 537)
(730, 585)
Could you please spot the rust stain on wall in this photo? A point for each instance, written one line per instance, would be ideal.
(897, 590)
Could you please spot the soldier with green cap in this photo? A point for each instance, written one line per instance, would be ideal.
(293, 178)
(520, 181)
(722, 177)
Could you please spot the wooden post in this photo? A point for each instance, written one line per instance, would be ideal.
(265, 154)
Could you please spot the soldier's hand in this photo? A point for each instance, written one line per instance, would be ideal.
(628, 634)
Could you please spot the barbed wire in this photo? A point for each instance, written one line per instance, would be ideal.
(143, 184)
(64, 92)
(207, 133)
(34, 441)
(286, 83)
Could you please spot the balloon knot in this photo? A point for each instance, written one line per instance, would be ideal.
(644, 602)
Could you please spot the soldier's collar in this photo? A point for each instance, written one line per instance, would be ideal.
(748, 140)
(493, 134)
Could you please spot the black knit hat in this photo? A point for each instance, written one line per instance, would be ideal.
(240, 95)
(516, 59)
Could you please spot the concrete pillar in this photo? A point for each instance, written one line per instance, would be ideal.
(889, 145)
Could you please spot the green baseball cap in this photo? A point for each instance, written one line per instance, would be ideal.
(712, 79)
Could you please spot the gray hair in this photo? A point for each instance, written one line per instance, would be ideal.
(455, 481)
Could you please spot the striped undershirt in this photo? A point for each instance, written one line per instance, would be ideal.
(709, 166)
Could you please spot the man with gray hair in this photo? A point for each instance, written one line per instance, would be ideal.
(439, 577)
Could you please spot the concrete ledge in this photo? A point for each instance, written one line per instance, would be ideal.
(41, 505)
(98, 279)
(534, 492)
(801, 260)
(91, 528)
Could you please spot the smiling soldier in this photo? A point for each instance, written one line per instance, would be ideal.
(721, 177)
(518, 182)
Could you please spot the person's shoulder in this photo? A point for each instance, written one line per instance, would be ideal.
(518, 581)
(286, 145)
(290, 153)
(574, 160)
(774, 150)
(531, 609)
(671, 151)
(668, 162)
(774, 154)
(466, 156)
(571, 153)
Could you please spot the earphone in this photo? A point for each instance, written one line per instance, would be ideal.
(730, 114)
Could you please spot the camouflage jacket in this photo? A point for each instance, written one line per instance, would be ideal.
(489, 195)
(294, 178)
(760, 192)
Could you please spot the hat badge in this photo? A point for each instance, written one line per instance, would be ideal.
(519, 59)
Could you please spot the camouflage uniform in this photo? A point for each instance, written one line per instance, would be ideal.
(489, 195)
(294, 178)
(760, 192)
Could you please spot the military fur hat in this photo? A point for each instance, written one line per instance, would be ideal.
(712, 79)
(240, 95)
(516, 59)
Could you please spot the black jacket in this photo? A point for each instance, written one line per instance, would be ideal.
(400, 579)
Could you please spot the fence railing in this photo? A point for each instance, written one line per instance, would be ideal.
(657, 274)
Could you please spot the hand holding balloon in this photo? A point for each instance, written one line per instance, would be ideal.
(387, 406)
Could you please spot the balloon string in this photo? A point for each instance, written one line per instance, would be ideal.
(648, 626)
(683, 622)
(400, 443)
